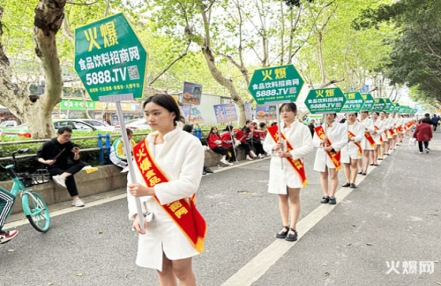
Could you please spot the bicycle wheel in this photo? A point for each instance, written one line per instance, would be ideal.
(36, 211)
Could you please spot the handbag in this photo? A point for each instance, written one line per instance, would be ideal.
(412, 141)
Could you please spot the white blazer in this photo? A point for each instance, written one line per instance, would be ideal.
(299, 135)
(369, 125)
(181, 158)
(379, 133)
(351, 150)
(338, 136)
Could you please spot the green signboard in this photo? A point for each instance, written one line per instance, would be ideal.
(396, 107)
(368, 101)
(325, 100)
(354, 102)
(379, 105)
(110, 60)
(403, 109)
(281, 83)
(388, 105)
(76, 104)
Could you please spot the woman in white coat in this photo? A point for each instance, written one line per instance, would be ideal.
(366, 146)
(378, 132)
(284, 180)
(351, 154)
(329, 144)
(164, 246)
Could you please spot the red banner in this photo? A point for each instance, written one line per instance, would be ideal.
(182, 212)
(352, 135)
(296, 164)
(334, 156)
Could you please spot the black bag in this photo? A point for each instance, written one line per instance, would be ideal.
(25, 178)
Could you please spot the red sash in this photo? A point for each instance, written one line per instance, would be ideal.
(369, 138)
(334, 156)
(392, 132)
(376, 129)
(352, 135)
(182, 212)
(399, 128)
(296, 164)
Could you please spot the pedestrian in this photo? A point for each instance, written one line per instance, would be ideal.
(229, 142)
(423, 134)
(311, 126)
(118, 153)
(377, 135)
(329, 139)
(62, 159)
(6, 202)
(174, 229)
(287, 173)
(352, 153)
(435, 121)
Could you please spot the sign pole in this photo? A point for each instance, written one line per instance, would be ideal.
(128, 150)
(233, 142)
(279, 125)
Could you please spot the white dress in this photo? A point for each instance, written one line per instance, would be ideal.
(179, 156)
(338, 136)
(369, 127)
(379, 133)
(351, 150)
(299, 135)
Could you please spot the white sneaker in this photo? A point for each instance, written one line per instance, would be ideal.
(260, 156)
(59, 181)
(78, 202)
(225, 162)
(249, 158)
(253, 154)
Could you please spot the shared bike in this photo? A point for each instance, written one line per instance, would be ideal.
(34, 207)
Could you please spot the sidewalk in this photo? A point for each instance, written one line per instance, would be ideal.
(385, 232)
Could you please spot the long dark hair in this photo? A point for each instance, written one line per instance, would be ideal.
(168, 102)
(290, 106)
(212, 128)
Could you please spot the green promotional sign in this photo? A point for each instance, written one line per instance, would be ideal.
(75, 104)
(110, 60)
(368, 102)
(403, 109)
(325, 100)
(354, 102)
(396, 107)
(379, 105)
(281, 83)
(388, 105)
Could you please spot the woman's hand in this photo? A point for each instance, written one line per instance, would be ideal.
(138, 190)
(328, 148)
(284, 154)
(50, 162)
(278, 146)
(136, 225)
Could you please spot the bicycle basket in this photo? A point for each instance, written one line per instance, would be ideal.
(25, 178)
(40, 177)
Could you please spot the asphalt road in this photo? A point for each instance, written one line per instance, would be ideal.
(391, 219)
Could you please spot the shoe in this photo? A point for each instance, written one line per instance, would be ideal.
(208, 170)
(346, 185)
(78, 202)
(325, 200)
(380, 158)
(352, 186)
(204, 173)
(60, 181)
(260, 156)
(421, 152)
(291, 237)
(225, 162)
(249, 158)
(387, 154)
(6, 236)
(427, 150)
(376, 165)
(253, 154)
(360, 173)
(332, 200)
(363, 174)
(282, 233)
(371, 164)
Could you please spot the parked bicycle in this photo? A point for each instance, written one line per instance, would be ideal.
(34, 207)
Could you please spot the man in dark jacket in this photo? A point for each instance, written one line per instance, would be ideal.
(435, 120)
(312, 126)
(55, 155)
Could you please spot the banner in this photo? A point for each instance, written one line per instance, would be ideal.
(191, 95)
(225, 113)
(194, 115)
(266, 112)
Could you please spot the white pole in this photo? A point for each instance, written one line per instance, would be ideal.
(128, 150)
(279, 125)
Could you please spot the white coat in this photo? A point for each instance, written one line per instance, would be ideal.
(380, 132)
(299, 135)
(338, 136)
(369, 127)
(181, 158)
(351, 150)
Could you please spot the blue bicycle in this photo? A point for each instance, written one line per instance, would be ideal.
(34, 207)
